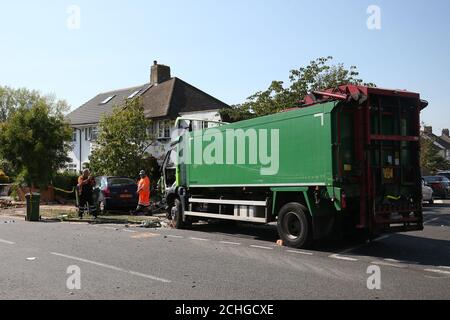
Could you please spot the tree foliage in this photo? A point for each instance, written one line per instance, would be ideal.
(123, 140)
(34, 141)
(318, 75)
(431, 160)
(15, 99)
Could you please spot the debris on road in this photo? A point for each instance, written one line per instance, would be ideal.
(5, 204)
(165, 225)
(151, 224)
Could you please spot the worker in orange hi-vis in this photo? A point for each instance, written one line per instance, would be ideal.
(144, 193)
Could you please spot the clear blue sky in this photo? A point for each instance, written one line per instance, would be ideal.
(229, 48)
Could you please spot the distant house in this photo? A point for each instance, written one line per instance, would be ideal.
(441, 142)
(165, 98)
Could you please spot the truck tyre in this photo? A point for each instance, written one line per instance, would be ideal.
(177, 215)
(294, 226)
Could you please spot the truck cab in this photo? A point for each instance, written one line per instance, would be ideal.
(168, 185)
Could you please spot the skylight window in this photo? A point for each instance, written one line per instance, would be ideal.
(134, 94)
(107, 99)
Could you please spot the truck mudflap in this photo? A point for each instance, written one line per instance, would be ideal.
(324, 226)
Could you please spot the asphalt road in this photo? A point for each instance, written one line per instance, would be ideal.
(217, 262)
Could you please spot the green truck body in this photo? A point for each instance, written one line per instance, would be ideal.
(305, 152)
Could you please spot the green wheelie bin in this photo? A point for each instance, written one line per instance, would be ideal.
(33, 202)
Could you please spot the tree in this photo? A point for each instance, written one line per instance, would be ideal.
(430, 159)
(15, 99)
(318, 75)
(35, 141)
(123, 141)
(12, 100)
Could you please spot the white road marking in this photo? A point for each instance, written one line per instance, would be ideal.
(176, 237)
(432, 220)
(352, 248)
(261, 247)
(232, 243)
(437, 271)
(337, 256)
(111, 267)
(301, 252)
(393, 260)
(364, 244)
(7, 242)
(199, 239)
(382, 238)
(387, 264)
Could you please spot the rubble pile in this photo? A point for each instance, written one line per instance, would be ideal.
(5, 204)
(9, 204)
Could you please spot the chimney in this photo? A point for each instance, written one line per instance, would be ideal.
(446, 133)
(159, 73)
(428, 130)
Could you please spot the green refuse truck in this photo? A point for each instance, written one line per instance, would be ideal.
(347, 160)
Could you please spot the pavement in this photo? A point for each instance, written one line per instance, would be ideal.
(216, 261)
(67, 213)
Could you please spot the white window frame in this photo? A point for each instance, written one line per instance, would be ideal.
(90, 134)
(107, 100)
(152, 130)
(164, 129)
(74, 135)
(93, 134)
(71, 167)
(134, 94)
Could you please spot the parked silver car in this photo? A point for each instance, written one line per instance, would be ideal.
(444, 173)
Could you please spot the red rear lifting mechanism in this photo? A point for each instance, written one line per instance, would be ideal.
(361, 95)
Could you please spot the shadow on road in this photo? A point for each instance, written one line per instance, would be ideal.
(409, 248)
(240, 230)
(268, 233)
(413, 248)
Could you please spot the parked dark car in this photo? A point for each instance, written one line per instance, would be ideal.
(440, 186)
(115, 193)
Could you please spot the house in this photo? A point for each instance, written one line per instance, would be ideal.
(445, 141)
(441, 142)
(165, 98)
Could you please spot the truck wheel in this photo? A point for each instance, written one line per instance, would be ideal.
(294, 226)
(177, 214)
